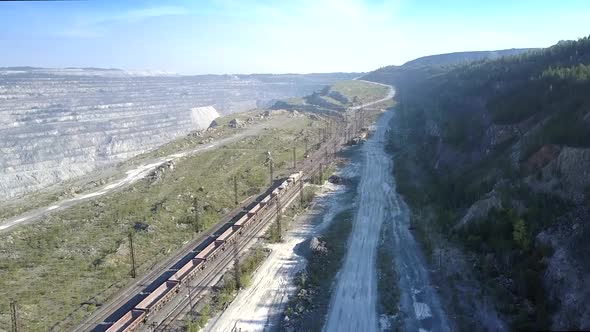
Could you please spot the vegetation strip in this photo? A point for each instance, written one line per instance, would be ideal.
(306, 311)
(388, 289)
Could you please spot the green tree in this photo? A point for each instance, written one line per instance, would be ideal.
(520, 234)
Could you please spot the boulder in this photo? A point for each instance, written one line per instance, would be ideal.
(236, 123)
(316, 245)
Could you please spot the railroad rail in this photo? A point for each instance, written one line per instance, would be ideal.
(202, 260)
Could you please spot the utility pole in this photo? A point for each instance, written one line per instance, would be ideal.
(306, 140)
(14, 316)
(236, 189)
(196, 219)
(321, 174)
(132, 251)
(279, 212)
(301, 191)
(271, 172)
(237, 271)
(270, 165)
(190, 297)
(294, 156)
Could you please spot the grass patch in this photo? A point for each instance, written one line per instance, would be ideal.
(359, 91)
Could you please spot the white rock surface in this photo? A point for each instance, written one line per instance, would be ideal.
(58, 124)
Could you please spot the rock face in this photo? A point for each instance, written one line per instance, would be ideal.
(566, 276)
(574, 166)
(481, 209)
(58, 124)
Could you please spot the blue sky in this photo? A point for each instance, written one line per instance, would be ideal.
(255, 36)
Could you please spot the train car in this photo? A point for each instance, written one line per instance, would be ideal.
(129, 322)
(208, 252)
(187, 271)
(226, 236)
(159, 296)
(253, 210)
(275, 192)
(296, 176)
(241, 221)
(283, 185)
(265, 200)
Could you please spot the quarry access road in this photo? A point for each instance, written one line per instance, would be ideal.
(131, 175)
(353, 306)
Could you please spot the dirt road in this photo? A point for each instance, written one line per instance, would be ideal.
(353, 306)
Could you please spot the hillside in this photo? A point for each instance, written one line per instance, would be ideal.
(495, 154)
(339, 96)
(460, 57)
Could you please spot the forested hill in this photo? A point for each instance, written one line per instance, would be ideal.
(461, 57)
(499, 152)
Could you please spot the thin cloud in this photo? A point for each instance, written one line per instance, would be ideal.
(98, 24)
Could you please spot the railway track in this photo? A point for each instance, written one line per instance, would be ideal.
(223, 262)
(204, 286)
(123, 297)
(123, 303)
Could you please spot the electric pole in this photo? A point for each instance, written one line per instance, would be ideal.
(196, 219)
(237, 271)
(271, 172)
(132, 251)
(236, 189)
(190, 297)
(301, 191)
(14, 316)
(294, 156)
(270, 165)
(279, 212)
(321, 175)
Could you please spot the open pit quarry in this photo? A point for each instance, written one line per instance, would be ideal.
(59, 124)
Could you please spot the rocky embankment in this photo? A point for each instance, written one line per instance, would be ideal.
(60, 124)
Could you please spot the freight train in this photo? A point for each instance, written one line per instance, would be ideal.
(132, 319)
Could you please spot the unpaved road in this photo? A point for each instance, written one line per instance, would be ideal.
(353, 306)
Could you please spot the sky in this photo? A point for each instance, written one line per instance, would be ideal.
(273, 36)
